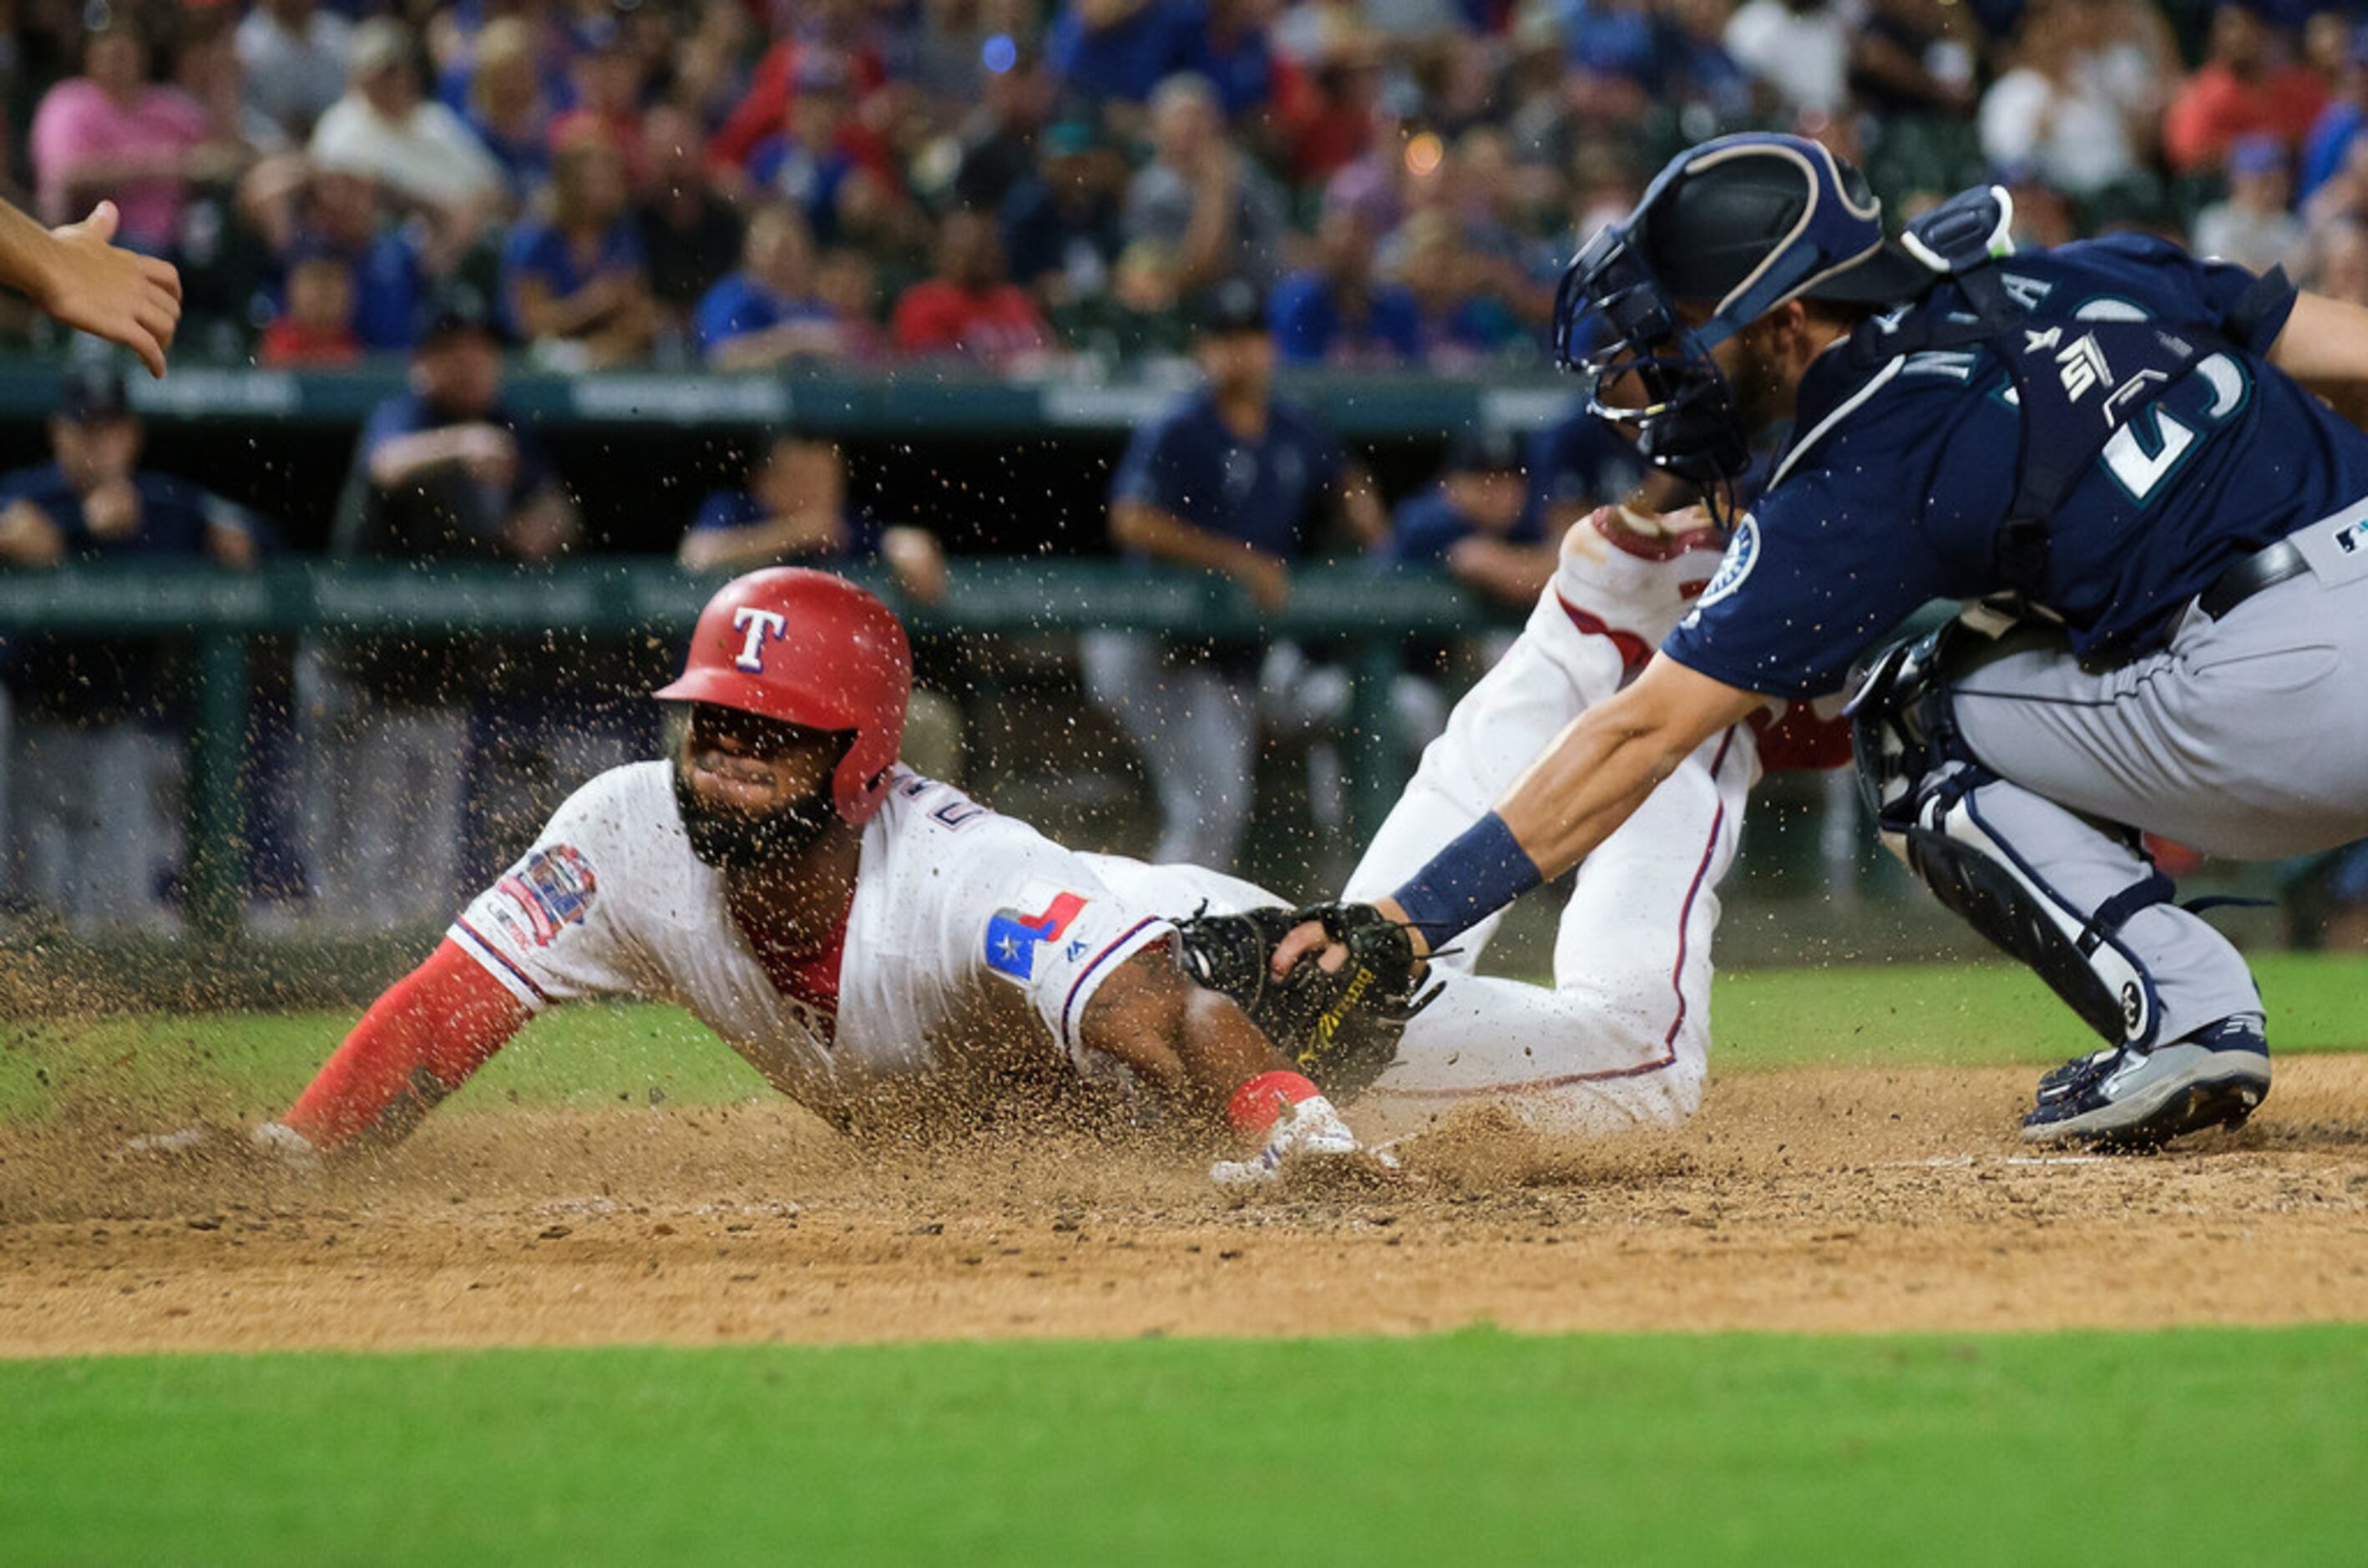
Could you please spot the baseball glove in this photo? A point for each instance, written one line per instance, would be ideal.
(1341, 1028)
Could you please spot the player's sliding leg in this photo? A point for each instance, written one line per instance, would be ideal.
(1622, 1036)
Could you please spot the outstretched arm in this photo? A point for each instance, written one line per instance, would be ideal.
(2325, 342)
(1588, 781)
(419, 1043)
(74, 274)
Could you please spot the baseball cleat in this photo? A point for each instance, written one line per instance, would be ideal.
(2126, 1097)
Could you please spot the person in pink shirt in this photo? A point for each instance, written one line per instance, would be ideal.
(2246, 87)
(111, 133)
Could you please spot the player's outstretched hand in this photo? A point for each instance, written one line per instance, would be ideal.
(97, 287)
(1308, 1141)
(1356, 974)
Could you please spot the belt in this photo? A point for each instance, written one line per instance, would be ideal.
(2263, 569)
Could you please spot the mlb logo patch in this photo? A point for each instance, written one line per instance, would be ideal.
(550, 890)
(1014, 934)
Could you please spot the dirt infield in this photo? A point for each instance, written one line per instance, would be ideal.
(1825, 1200)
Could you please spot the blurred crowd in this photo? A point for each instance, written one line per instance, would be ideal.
(745, 183)
(739, 184)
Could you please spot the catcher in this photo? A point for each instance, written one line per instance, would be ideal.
(866, 938)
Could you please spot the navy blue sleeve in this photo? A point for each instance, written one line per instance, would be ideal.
(1148, 475)
(1325, 459)
(726, 509)
(2210, 292)
(1814, 579)
(391, 421)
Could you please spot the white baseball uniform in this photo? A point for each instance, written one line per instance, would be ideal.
(1622, 1036)
(964, 922)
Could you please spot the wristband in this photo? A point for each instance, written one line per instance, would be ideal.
(1257, 1104)
(1470, 880)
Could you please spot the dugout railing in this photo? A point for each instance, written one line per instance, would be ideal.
(1365, 614)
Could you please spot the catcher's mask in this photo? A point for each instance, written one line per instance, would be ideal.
(1734, 227)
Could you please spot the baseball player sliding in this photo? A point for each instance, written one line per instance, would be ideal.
(2114, 443)
(862, 935)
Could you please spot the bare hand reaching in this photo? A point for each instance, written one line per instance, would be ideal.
(91, 284)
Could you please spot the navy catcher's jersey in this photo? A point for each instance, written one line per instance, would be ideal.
(1901, 475)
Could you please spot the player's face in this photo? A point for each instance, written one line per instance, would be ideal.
(751, 789)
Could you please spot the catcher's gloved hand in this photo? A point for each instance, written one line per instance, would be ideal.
(1341, 1028)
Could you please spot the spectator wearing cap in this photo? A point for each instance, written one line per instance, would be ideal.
(294, 55)
(111, 134)
(2246, 87)
(1574, 465)
(505, 105)
(1229, 480)
(575, 284)
(794, 510)
(1477, 524)
(1476, 521)
(1061, 227)
(691, 235)
(773, 87)
(1003, 139)
(94, 761)
(767, 312)
(417, 150)
(1201, 196)
(1904, 64)
(2253, 226)
(1336, 312)
(442, 472)
(971, 307)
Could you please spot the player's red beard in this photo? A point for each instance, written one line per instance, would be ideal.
(732, 840)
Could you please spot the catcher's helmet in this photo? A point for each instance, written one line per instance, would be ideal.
(810, 649)
(1738, 225)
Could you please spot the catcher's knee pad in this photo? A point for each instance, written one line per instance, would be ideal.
(2077, 951)
(1901, 726)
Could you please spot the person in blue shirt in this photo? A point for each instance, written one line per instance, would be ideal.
(1576, 464)
(1336, 311)
(89, 722)
(577, 285)
(767, 312)
(2113, 451)
(793, 510)
(1062, 229)
(1231, 480)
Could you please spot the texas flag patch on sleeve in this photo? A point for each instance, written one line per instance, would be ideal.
(1044, 913)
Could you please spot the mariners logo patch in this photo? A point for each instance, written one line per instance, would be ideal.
(1742, 555)
(549, 891)
(1014, 935)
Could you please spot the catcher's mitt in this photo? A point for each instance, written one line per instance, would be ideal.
(1341, 1028)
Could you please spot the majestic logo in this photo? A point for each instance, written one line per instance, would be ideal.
(1742, 555)
(756, 625)
(1012, 937)
(2349, 538)
(548, 892)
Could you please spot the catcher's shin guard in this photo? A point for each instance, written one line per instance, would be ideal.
(1923, 787)
(2077, 952)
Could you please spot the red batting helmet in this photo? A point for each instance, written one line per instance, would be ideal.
(807, 648)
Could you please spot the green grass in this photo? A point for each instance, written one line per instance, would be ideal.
(595, 1053)
(1478, 1448)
